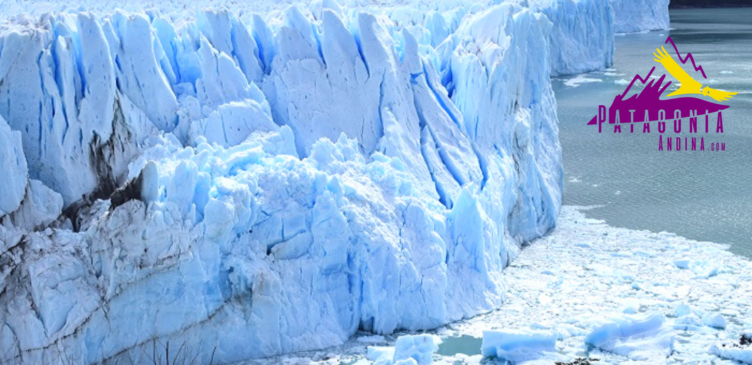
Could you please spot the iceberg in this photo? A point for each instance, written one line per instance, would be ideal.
(519, 346)
(408, 350)
(714, 320)
(284, 180)
(640, 337)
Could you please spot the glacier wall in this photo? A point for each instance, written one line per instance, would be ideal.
(250, 186)
(583, 45)
(249, 225)
(581, 39)
(632, 16)
(13, 164)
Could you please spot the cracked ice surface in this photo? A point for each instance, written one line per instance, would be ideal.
(610, 293)
(583, 45)
(13, 164)
(586, 275)
(581, 38)
(242, 221)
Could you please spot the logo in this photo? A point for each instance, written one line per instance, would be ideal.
(647, 106)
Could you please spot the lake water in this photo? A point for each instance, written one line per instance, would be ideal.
(699, 195)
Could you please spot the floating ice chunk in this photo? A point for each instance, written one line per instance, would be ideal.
(641, 253)
(737, 352)
(639, 337)
(419, 348)
(715, 320)
(623, 82)
(380, 355)
(518, 345)
(411, 349)
(689, 322)
(727, 72)
(702, 268)
(682, 263)
(630, 306)
(743, 355)
(579, 80)
(682, 310)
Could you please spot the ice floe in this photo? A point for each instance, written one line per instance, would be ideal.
(641, 337)
(580, 79)
(408, 350)
(519, 345)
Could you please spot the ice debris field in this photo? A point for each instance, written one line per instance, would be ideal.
(259, 181)
(591, 292)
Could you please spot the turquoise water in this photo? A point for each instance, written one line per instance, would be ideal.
(464, 344)
(700, 195)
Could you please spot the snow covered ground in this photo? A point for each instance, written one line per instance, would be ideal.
(616, 295)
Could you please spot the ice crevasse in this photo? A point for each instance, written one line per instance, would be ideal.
(267, 185)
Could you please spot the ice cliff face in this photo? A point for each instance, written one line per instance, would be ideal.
(640, 15)
(583, 45)
(13, 164)
(256, 186)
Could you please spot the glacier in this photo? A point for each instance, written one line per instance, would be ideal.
(586, 44)
(282, 180)
(589, 291)
(13, 163)
(640, 15)
(615, 295)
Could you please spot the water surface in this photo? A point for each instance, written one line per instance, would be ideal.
(700, 195)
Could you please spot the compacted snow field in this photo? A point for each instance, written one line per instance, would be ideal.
(588, 290)
(246, 184)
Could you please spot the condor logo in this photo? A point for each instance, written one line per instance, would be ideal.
(647, 106)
